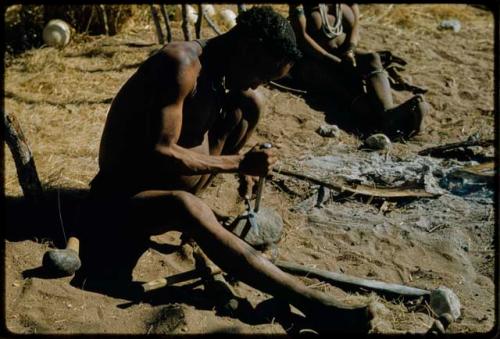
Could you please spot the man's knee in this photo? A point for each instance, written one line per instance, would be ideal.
(372, 61)
(251, 103)
(195, 209)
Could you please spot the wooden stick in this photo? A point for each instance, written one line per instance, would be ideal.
(25, 163)
(176, 278)
(92, 13)
(212, 24)
(185, 23)
(167, 22)
(288, 89)
(156, 21)
(388, 192)
(199, 22)
(105, 19)
(340, 278)
(439, 150)
(226, 298)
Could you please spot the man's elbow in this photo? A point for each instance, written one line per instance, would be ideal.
(164, 152)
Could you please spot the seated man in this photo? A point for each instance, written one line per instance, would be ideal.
(328, 35)
(179, 120)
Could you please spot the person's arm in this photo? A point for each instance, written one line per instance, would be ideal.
(305, 41)
(354, 32)
(174, 158)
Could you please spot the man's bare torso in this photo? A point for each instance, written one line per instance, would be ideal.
(132, 126)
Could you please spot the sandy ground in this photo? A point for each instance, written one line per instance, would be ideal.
(61, 97)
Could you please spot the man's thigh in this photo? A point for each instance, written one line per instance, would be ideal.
(115, 231)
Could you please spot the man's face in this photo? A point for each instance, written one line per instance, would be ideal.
(254, 68)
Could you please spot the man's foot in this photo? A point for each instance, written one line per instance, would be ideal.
(405, 120)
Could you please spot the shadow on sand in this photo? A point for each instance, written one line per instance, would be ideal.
(335, 110)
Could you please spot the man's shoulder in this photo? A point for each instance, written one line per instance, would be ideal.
(181, 53)
(176, 64)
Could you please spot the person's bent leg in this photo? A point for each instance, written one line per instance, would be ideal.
(161, 211)
(377, 82)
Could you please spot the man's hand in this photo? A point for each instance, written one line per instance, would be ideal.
(257, 162)
(349, 57)
(247, 185)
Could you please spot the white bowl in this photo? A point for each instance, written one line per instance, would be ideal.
(56, 33)
(228, 17)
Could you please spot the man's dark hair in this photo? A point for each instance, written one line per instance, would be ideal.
(270, 29)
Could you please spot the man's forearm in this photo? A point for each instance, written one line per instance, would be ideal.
(180, 160)
(312, 48)
(354, 36)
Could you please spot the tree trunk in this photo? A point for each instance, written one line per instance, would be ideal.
(25, 164)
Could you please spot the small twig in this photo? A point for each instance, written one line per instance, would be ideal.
(60, 214)
(92, 14)
(288, 89)
(104, 19)
(438, 227)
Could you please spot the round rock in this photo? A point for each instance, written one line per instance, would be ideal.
(61, 261)
(328, 131)
(268, 231)
(443, 300)
(378, 141)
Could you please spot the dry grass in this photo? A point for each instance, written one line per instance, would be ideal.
(419, 15)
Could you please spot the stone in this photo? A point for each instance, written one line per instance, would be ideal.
(443, 300)
(452, 24)
(268, 231)
(329, 131)
(378, 141)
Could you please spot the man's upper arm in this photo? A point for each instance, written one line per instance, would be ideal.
(298, 20)
(172, 93)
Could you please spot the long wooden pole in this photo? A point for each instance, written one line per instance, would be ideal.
(167, 22)
(156, 21)
(381, 192)
(199, 22)
(439, 150)
(340, 278)
(185, 23)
